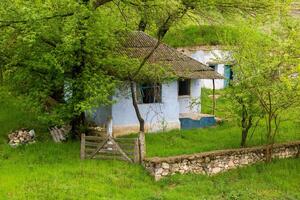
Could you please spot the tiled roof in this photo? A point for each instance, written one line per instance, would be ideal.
(138, 45)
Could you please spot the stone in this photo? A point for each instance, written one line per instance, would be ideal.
(158, 170)
(216, 170)
(165, 165)
(165, 173)
(230, 163)
(31, 133)
(207, 159)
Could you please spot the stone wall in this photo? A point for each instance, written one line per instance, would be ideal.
(217, 161)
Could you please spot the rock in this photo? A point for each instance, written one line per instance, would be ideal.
(165, 173)
(31, 133)
(230, 163)
(158, 171)
(216, 170)
(165, 165)
(207, 159)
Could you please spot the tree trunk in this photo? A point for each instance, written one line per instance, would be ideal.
(77, 123)
(136, 107)
(244, 137)
(246, 125)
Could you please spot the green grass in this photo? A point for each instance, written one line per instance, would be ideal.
(202, 35)
(224, 136)
(14, 115)
(54, 171)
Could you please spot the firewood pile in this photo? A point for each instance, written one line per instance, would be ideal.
(59, 134)
(21, 137)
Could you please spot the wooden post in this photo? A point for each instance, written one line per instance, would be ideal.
(142, 146)
(214, 97)
(82, 148)
(109, 127)
(137, 151)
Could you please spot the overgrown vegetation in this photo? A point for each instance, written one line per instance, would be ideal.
(202, 35)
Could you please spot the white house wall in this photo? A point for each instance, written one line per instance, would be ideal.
(191, 103)
(208, 56)
(157, 116)
(211, 56)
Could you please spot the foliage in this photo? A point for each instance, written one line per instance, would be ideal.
(57, 49)
(266, 74)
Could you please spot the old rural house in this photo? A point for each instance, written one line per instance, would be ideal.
(215, 57)
(171, 105)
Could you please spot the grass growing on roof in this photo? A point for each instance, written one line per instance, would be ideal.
(202, 35)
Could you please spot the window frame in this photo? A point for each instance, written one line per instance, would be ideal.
(189, 87)
(140, 96)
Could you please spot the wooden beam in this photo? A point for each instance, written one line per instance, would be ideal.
(99, 147)
(120, 150)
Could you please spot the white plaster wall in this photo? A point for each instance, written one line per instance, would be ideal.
(212, 56)
(191, 103)
(219, 83)
(156, 115)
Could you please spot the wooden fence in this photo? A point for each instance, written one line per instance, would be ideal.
(107, 147)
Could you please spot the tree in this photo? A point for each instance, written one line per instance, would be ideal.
(243, 106)
(267, 71)
(56, 55)
(59, 52)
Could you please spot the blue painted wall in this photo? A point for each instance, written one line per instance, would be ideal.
(187, 123)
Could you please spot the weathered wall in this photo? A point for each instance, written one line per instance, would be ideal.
(186, 104)
(158, 116)
(217, 161)
(211, 55)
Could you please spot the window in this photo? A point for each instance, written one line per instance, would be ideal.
(184, 87)
(213, 66)
(149, 93)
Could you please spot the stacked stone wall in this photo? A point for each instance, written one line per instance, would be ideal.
(214, 162)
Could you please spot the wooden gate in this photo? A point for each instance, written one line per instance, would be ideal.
(107, 147)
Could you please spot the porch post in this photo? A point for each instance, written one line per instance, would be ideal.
(214, 97)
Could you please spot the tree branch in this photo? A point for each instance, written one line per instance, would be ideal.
(7, 23)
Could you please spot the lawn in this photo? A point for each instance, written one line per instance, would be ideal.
(224, 136)
(54, 171)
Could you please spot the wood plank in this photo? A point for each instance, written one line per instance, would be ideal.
(99, 147)
(121, 151)
(136, 157)
(125, 140)
(95, 138)
(92, 144)
(126, 146)
(110, 158)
